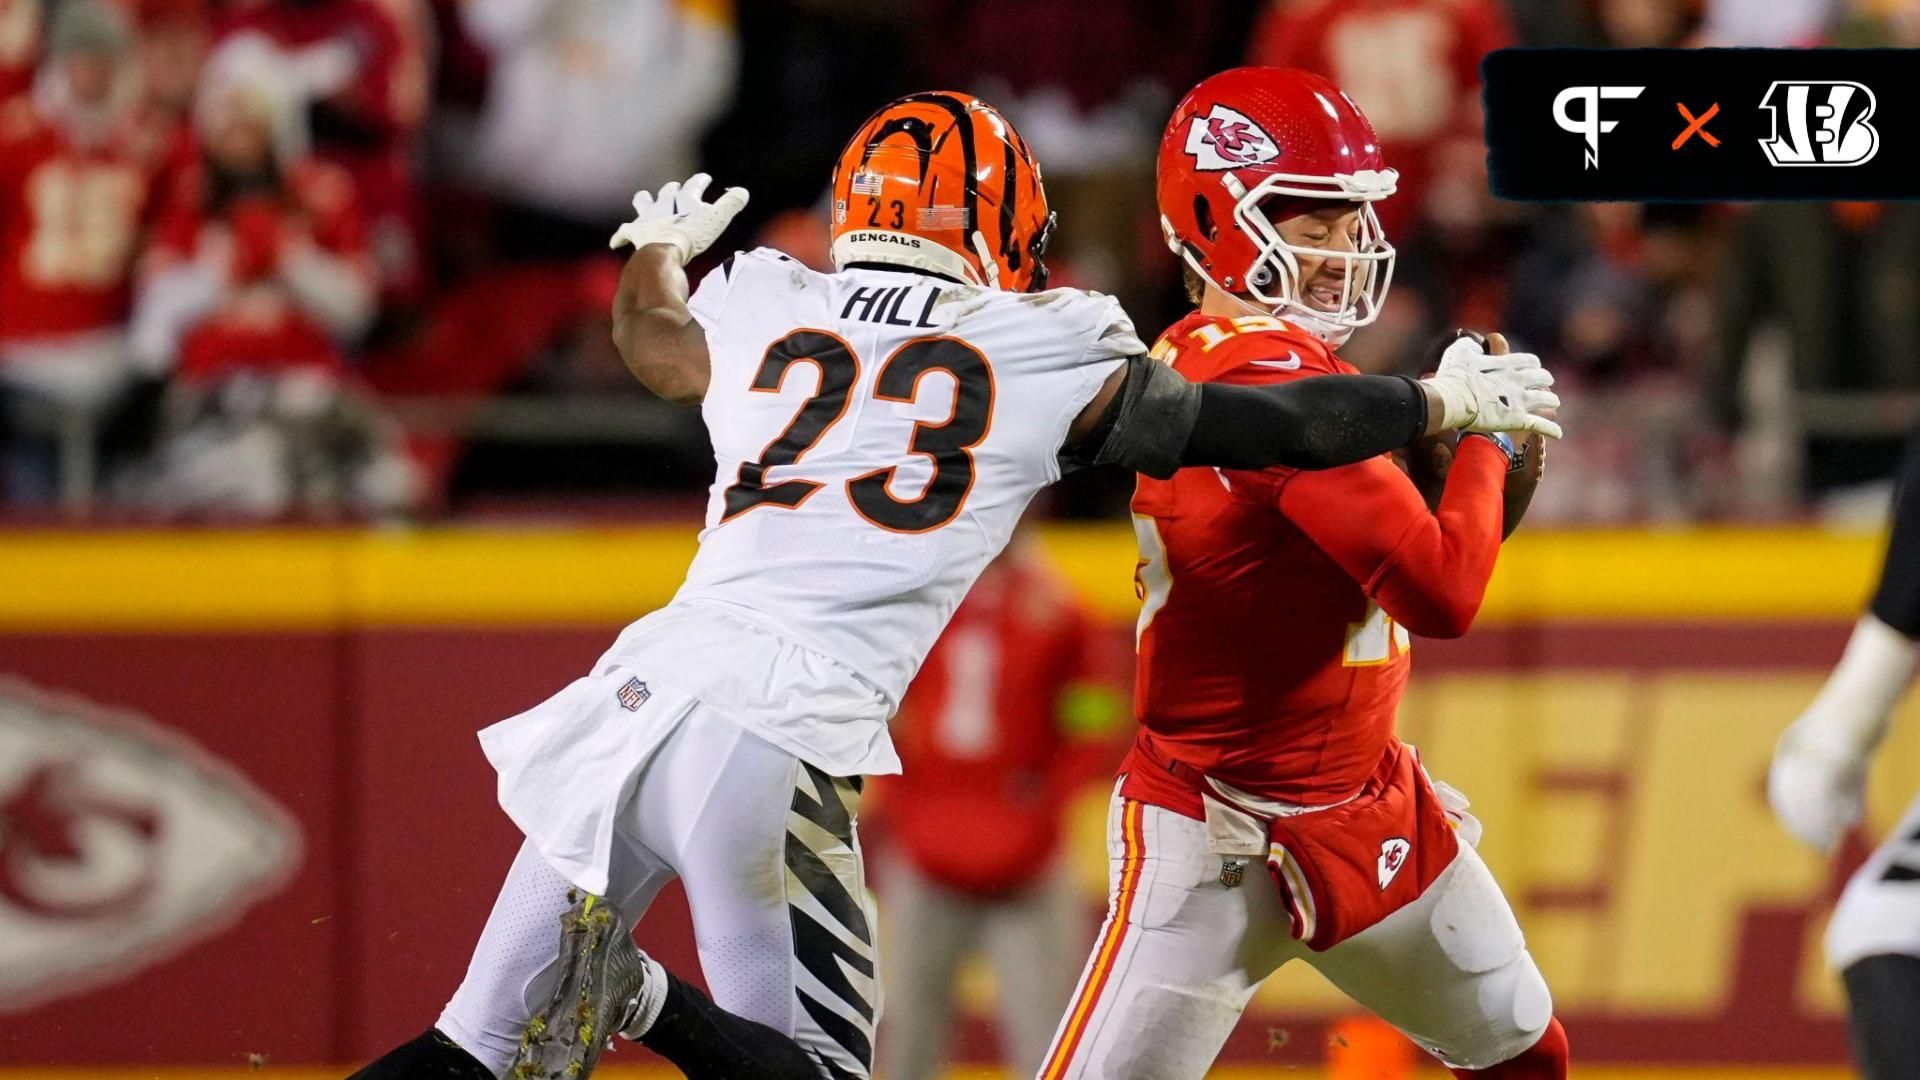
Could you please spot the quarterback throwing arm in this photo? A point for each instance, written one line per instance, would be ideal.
(1146, 417)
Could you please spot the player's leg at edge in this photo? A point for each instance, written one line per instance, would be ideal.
(1817, 787)
(1883, 996)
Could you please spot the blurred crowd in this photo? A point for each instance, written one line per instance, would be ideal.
(347, 258)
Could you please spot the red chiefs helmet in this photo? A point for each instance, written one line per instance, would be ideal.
(1253, 146)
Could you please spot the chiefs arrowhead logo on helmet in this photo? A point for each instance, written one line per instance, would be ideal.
(1224, 139)
(120, 843)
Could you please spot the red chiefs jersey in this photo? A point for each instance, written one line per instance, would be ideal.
(987, 765)
(370, 126)
(259, 325)
(70, 224)
(1274, 633)
(1413, 65)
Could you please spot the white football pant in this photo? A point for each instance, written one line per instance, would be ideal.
(767, 849)
(1181, 954)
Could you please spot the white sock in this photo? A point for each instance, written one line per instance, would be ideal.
(1851, 713)
(653, 997)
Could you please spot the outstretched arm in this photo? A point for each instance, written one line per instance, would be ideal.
(1150, 419)
(654, 330)
(1311, 424)
(1818, 782)
(656, 333)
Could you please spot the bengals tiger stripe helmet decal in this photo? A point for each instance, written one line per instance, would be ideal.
(941, 182)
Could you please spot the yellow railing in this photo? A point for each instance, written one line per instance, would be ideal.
(521, 576)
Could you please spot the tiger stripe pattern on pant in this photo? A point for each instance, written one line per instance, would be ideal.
(836, 979)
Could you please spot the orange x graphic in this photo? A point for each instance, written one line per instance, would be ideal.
(1697, 125)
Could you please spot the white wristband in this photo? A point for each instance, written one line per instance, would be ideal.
(1458, 406)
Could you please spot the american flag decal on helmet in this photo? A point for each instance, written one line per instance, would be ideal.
(633, 695)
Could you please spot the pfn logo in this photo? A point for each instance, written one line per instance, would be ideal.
(1589, 125)
(1825, 124)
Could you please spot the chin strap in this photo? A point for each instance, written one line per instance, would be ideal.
(1334, 334)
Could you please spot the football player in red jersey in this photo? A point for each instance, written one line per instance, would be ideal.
(1002, 724)
(1273, 650)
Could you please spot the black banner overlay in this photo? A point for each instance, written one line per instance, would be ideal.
(1703, 125)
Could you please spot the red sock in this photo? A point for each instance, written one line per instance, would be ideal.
(1544, 1060)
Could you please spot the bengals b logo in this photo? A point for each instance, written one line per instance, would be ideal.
(1820, 123)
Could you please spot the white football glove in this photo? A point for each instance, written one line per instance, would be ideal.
(1817, 790)
(1818, 781)
(1482, 392)
(678, 216)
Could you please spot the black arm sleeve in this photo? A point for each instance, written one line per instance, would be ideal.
(1160, 422)
(1316, 423)
(1897, 601)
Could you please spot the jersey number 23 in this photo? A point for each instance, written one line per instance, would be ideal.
(947, 444)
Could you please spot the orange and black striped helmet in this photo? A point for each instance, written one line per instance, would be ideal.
(939, 181)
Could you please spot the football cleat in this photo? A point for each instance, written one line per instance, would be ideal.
(602, 976)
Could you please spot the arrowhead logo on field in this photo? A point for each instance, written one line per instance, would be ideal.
(121, 843)
(1393, 856)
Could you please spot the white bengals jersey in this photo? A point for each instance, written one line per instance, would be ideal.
(877, 436)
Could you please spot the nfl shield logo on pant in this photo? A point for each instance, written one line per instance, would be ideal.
(1232, 872)
(633, 695)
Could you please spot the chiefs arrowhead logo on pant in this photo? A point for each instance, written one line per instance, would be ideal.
(121, 842)
(1393, 855)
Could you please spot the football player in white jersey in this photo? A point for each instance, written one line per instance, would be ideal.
(1818, 790)
(878, 432)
